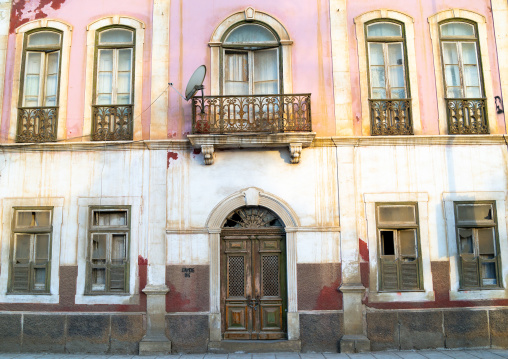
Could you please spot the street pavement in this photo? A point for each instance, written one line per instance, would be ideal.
(407, 354)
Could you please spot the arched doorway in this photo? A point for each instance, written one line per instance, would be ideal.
(253, 275)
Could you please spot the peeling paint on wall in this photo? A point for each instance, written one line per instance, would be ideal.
(364, 250)
(172, 156)
(27, 10)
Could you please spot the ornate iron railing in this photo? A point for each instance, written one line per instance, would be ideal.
(37, 124)
(467, 116)
(256, 113)
(391, 117)
(112, 122)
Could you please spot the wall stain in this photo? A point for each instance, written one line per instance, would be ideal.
(329, 298)
(24, 11)
(142, 261)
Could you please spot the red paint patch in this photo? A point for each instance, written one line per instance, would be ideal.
(19, 17)
(172, 156)
(196, 151)
(142, 261)
(329, 297)
(364, 250)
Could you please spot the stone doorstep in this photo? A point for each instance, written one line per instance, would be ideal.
(254, 346)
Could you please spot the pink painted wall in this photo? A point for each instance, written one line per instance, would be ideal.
(78, 13)
(307, 22)
(421, 10)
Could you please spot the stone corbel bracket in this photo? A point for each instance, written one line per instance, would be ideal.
(295, 142)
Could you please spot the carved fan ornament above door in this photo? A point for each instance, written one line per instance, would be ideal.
(253, 217)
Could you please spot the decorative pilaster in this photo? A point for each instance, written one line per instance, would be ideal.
(155, 341)
(295, 150)
(5, 16)
(207, 154)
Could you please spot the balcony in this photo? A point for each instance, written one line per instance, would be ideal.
(37, 124)
(467, 116)
(112, 122)
(390, 117)
(252, 121)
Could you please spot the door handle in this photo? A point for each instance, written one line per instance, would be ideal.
(257, 301)
(249, 302)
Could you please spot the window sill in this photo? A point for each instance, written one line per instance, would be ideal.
(294, 140)
(124, 299)
(416, 296)
(479, 294)
(36, 298)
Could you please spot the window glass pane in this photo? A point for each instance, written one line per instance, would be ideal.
(454, 92)
(25, 218)
(22, 251)
(452, 75)
(471, 76)
(378, 76)
(474, 212)
(124, 83)
(397, 76)
(99, 248)
(115, 36)
(473, 92)
(466, 241)
(379, 93)
(250, 34)
(236, 74)
(51, 78)
(450, 55)
(34, 218)
(44, 38)
(384, 29)
(407, 241)
(113, 218)
(387, 243)
(376, 56)
(489, 276)
(395, 55)
(266, 72)
(457, 29)
(105, 77)
(40, 279)
(106, 60)
(42, 248)
(118, 248)
(125, 60)
(32, 78)
(396, 213)
(469, 53)
(398, 93)
(486, 242)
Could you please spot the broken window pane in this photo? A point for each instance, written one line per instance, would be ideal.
(22, 248)
(110, 218)
(474, 212)
(99, 248)
(40, 279)
(387, 243)
(118, 249)
(466, 241)
(99, 279)
(489, 276)
(41, 248)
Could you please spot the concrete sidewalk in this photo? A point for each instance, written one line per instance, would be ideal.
(419, 354)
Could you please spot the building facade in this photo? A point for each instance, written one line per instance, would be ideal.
(338, 185)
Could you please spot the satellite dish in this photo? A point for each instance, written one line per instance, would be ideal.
(196, 82)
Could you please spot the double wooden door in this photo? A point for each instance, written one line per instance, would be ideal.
(253, 284)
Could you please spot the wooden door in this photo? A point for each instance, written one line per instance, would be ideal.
(253, 284)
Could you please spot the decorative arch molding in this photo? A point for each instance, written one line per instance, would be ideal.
(249, 14)
(481, 23)
(92, 29)
(252, 197)
(66, 30)
(408, 23)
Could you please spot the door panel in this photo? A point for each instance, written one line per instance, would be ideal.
(253, 286)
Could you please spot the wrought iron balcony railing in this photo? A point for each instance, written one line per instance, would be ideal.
(391, 117)
(467, 116)
(37, 124)
(255, 113)
(112, 122)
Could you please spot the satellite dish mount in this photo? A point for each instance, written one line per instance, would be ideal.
(194, 85)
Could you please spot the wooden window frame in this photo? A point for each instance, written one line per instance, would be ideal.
(115, 48)
(387, 40)
(250, 49)
(32, 231)
(474, 226)
(40, 49)
(459, 40)
(109, 230)
(396, 228)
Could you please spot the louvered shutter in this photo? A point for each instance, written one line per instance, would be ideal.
(470, 273)
(117, 278)
(20, 277)
(389, 279)
(409, 275)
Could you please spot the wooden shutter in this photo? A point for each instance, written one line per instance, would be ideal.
(409, 275)
(470, 275)
(117, 278)
(20, 277)
(389, 271)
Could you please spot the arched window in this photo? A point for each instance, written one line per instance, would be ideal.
(38, 100)
(251, 55)
(459, 44)
(114, 74)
